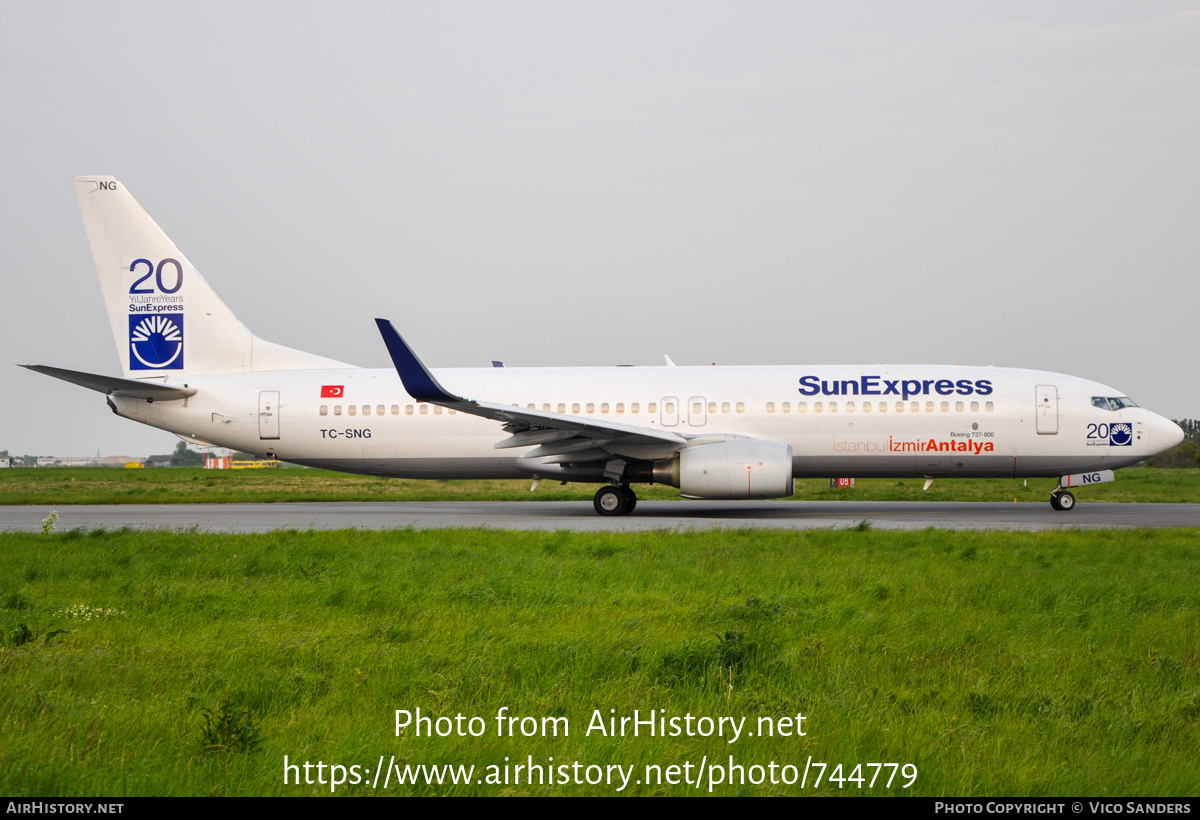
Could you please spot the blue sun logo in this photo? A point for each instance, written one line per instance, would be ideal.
(156, 342)
(1120, 435)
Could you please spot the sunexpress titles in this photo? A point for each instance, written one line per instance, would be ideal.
(879, 386)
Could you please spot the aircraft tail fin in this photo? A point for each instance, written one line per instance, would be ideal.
(166, 319)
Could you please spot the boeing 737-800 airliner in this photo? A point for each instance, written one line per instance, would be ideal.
(192, 368)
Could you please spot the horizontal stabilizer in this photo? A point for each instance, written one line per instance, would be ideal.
(112, 386)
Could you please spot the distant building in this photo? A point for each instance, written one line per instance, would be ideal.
(159, 461)
(81, 461)
(51, 461)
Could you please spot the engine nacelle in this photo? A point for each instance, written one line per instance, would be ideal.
(741, 468)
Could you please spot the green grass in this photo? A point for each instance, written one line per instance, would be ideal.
(181, 485)
(169, 663)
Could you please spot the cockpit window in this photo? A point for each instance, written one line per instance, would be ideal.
(1112, 402)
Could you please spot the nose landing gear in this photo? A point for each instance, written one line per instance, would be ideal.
(1062, 500)
(615, 499)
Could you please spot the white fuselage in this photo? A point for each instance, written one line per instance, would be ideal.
(852, 421)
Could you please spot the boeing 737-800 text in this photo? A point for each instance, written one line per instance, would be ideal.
(192, 368)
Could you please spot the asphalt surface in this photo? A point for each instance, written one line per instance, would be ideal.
(579, 515)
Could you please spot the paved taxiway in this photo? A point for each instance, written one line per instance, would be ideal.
(578, 515)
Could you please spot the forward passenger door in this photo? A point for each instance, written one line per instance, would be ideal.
(1047, 410)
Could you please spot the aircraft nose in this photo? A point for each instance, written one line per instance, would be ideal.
(1164, 433)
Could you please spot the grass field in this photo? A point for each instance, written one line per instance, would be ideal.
(996, 663)
(93, 485)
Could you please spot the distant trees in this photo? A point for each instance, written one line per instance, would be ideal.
(184, 457)
(1191, 430)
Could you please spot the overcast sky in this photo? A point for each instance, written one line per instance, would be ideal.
(599, 183)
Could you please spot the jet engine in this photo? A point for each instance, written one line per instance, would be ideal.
(733, 469)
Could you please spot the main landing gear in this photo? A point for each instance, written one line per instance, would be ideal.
(1062, 500)
(615, 499)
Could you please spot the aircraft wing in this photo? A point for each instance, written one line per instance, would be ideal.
(560, 438)
(112, 386)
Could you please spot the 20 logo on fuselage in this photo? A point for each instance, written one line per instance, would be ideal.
(1116, 434)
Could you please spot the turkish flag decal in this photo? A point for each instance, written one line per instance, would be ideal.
(332, 391)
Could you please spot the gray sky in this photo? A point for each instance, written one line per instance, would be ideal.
(597, 183)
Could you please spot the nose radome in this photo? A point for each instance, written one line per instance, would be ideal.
(1164, 433)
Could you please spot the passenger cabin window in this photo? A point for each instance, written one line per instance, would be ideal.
(633, 408)
(337, 409)
(408, 409)
(366, 409)
(668, 407)
(575, 408)
(866, 407)
(652, 407)
(787, 407)
(770, 407)
(974, 407)
(604, 407)
(883, 407)
(801, 407)
(437, 409)
(959, 407)
(324, 409)
(546, 407)
(945, 407)
(741, 408)
(817, 407)
(989, 407)
(562, 408)
(395, 409)
(712, 407)
(849, 407)
(424, 409)
(724, 407)
(928, 406)
(833, 407)
(620, 407)
(591, 407)
(351, 409)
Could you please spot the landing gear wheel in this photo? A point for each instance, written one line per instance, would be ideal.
(1063, 502)
(630, 498)
(611, 501)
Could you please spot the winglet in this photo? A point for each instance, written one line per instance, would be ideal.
(418, 381)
